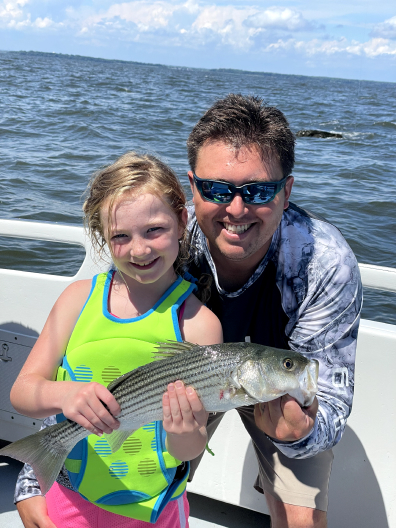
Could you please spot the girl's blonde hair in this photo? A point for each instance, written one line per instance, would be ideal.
(141, 173)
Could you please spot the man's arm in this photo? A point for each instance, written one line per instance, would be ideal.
(34, 514)
(322, 296)
(28, 498)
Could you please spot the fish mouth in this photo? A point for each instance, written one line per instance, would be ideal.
(307, 387)
(310, 381)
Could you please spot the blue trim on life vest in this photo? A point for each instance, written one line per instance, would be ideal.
(79, 452)
(178, 482)
(175, 307)
(94, 279)
(170, 473)
(60, 418)
(166, 496)
(123, 497)
(77, 478)
(67, 367)
(189, 278)
(108, 315)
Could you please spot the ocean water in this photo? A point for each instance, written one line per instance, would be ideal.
(63, 117)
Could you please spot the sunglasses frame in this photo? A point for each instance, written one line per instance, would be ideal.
(234, 189)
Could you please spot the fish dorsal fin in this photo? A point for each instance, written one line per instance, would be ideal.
(172, 348)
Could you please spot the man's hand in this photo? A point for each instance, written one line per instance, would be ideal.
(33, 513)
(284, 419)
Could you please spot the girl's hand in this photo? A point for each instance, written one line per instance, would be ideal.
(184, 420)
(83, 403)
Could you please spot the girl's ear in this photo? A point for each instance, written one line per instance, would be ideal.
(182, 223)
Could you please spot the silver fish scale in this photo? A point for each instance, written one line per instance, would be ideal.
(207, 369)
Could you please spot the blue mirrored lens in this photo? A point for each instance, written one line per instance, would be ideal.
(258, 193)
(252, 193)
(220, 192)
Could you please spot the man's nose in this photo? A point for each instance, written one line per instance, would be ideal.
(237, 207)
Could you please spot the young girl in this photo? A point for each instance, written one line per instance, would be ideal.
(101, 329)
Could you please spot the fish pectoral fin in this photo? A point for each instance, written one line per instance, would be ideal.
(235, 378)
(117, 438)
(171, 348)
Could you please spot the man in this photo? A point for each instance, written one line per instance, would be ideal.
(282, 277)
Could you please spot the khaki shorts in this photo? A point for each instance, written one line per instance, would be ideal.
(303, 482)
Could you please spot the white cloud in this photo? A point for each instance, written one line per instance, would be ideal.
(192, 23)
(282, 18)
(11, 9)
(143, 14)
(224, 25)
(43, 22)
(372, 48)
(196, 25)
(13, 15)
(147, 16)
(386, 29)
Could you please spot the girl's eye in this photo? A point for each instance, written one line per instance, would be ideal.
(153, 229)
(120, 235)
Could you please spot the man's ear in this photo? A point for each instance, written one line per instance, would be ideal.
(288, 190)
(191, 180)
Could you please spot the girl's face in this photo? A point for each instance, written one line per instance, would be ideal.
(143, 237)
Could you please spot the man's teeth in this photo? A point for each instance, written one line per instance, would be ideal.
(237, 228)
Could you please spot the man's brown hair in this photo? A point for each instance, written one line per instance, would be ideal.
(245, 121)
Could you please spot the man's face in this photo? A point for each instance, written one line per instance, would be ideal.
(249, 241)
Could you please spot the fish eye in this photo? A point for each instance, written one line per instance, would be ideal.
(288, 363)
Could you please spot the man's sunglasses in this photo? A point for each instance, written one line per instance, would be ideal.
(252, 193)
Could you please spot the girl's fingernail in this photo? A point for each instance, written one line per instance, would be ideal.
(171, 387)
(178, 384)
(190, 390)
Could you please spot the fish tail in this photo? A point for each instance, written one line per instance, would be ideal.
(44, 452)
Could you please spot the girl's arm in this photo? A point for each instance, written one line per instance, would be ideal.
(184, 415)
(36, 394)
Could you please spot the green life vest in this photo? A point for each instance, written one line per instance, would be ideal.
(141, 477)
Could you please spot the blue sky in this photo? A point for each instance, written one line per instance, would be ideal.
(339, 38)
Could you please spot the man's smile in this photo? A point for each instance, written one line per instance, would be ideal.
(237, 228)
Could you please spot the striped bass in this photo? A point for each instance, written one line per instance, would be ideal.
(225, 376)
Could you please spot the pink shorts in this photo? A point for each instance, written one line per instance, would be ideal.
(67, 509)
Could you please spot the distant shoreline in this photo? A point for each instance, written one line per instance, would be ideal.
(178, 67)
